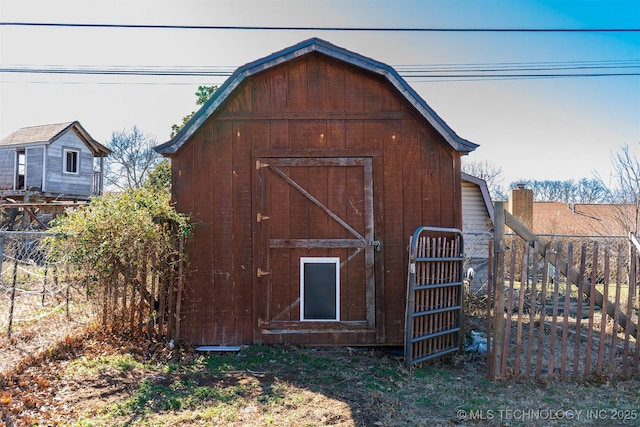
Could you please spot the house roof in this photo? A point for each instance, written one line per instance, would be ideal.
(326, 48)
(580, 219)
(46, 134)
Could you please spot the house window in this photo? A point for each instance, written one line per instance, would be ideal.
(71, 161)
(319, 289)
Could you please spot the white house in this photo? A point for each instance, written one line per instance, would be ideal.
(477, 224)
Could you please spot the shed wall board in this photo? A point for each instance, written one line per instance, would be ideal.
(7, 168)
(35, 159)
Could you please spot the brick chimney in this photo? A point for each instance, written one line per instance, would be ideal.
(521, 205)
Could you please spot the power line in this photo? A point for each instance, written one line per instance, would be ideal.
(424, 74)
(495, 71)
(497, 77)
(529, 66)
(112, 83)
(300, 28)
(116, 72)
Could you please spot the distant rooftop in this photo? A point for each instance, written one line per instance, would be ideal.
(580, 219)
(46, 134)
(33, 134)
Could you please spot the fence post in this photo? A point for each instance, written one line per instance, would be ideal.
(498, 285)
(13, 292)
(2, 238)
(489, 355)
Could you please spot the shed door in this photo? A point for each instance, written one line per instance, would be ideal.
(315, 244)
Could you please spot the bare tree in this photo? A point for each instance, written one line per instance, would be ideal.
(626, 187)
(592, 191)
(131, 160)
(487, 170)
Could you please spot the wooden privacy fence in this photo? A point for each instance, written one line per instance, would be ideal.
(565, 311)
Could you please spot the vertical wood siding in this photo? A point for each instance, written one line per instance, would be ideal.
(316, 103)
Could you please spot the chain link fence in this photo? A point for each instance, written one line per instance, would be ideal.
(32, 286)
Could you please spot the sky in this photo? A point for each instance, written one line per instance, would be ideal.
(551, 128)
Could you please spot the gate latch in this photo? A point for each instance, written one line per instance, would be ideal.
(376, 244)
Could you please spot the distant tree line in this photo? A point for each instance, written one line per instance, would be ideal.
(568, 191)
(623, 188)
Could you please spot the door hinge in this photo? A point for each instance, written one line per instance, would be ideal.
(260, 217)
(263, 273)
(259, 164)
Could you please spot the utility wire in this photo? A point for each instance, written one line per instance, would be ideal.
(436, 71)
(424, 74)
(402, 68)
(297, 28)
(117, 72)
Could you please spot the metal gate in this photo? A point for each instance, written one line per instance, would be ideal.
(434, 294)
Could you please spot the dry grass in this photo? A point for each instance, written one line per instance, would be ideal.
(84, 377)
(105, 380)
(37, 322)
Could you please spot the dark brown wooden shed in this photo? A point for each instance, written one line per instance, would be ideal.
(307, 172)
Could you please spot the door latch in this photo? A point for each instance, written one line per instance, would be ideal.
(260, 217)
(376, 245)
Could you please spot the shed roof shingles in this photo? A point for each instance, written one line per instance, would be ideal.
(45, 134)
(34, 134)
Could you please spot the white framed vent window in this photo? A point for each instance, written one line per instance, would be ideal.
(319, 289)
(71, 160)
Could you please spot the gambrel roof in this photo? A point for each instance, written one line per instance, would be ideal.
(338, 53)
(46, 134)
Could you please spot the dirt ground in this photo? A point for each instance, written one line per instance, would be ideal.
(65, 372)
